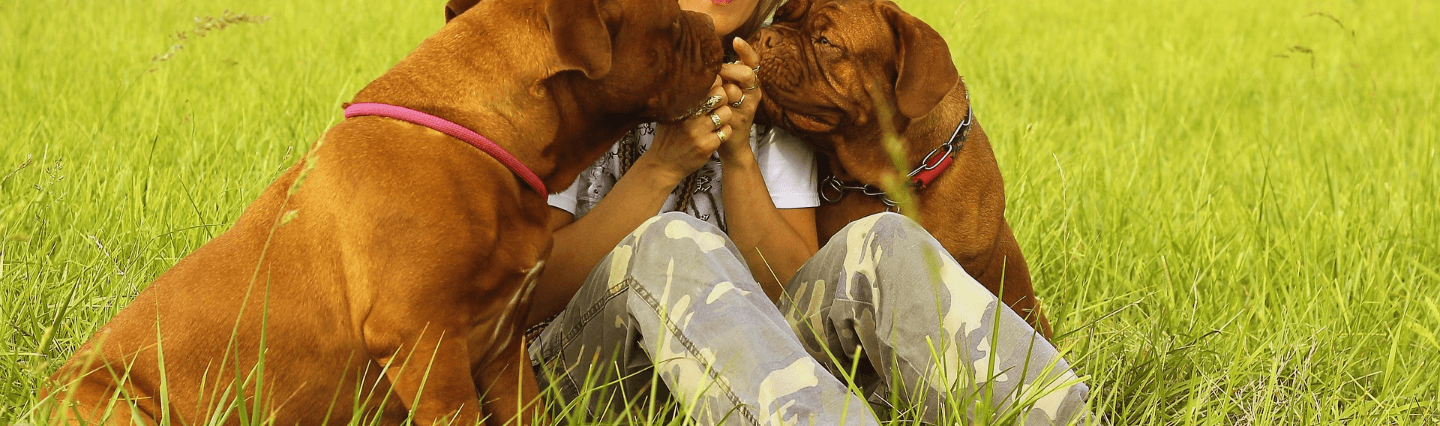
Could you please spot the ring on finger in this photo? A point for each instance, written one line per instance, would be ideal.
(737, 104)
(711, 102)
(720, 134)
(715, 118)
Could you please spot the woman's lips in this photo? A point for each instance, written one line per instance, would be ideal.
(721, 2)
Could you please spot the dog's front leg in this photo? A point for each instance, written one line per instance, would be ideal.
(511, 393)
(428, 366)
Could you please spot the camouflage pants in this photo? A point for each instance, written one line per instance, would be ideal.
(882, 302)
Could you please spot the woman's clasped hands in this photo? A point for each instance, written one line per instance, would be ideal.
(681, 147)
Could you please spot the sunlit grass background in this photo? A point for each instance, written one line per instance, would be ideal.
(1232, 204)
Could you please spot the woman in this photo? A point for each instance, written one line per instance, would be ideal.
(625, 291)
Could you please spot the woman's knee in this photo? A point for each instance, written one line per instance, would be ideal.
(888, 249)
(892, 222)
(677, 244)
(885, 228)
(674, 232)
(664, 220)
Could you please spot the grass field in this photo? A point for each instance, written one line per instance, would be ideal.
(1230, 205)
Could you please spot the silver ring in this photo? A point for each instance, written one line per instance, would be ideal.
(715, 118)
(757, 70)
(737, 104)
(711, 103)
(720, 134)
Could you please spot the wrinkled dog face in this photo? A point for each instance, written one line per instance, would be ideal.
(641, 58)
(667, 56)
(833, 65)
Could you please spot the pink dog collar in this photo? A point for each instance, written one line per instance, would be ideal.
(450, 128)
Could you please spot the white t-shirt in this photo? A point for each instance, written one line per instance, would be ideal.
(786, 164)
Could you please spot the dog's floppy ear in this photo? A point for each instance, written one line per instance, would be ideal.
(925, 73)
(456, 7)
(578, 32)
(792, 10)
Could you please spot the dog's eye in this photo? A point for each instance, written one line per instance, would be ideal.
(823, 40)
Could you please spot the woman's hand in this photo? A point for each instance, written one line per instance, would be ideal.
(678, 149)
(742, 90)
(682, 147)
(774, 242)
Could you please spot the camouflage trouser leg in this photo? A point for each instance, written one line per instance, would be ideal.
(884, 285)
(677, 292)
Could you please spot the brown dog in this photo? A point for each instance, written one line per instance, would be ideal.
(385, 274)
(837, 74)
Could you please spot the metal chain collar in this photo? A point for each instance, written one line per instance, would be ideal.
(832, 189)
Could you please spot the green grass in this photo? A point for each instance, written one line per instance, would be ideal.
(1234, 204)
